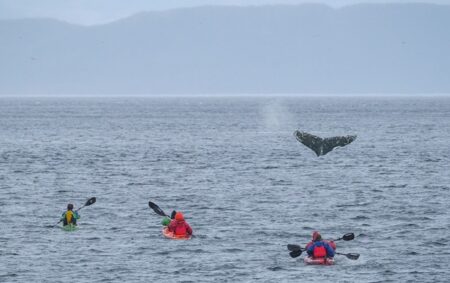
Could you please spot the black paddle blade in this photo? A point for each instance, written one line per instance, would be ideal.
(352, 256)
(348, 237)
(156, 209)
(90, 201)
(295, 254)
(293, 248)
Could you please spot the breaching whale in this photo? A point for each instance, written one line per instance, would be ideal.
(322, 146)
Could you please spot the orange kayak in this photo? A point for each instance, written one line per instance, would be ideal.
(171, 235)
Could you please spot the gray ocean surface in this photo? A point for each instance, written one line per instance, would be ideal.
(245, 184)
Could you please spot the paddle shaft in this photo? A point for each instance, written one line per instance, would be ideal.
(292, 247)
(79, 208)
(297, 253)
(159, 211)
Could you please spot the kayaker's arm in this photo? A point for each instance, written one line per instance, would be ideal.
(330, 251)
(172, 226)
(310, 250)
(188, 229)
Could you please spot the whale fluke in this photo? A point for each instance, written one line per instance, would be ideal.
(322, 146)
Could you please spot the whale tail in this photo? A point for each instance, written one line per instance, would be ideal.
(322, 146)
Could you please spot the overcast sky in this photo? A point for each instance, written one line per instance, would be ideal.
(89, 12)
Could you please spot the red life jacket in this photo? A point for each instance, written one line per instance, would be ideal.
(180, 230)
(319, 252)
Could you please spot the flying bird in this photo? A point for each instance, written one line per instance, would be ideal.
(322, 146)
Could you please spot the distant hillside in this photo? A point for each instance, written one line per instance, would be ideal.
(396, 48)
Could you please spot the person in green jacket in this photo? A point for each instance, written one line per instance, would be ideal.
(70, 216)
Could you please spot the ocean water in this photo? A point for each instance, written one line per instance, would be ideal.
(245, 184)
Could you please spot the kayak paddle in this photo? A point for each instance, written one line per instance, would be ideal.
(346, 237)
(295, 254)
(293, 248)
(352, 256)
(156, 209)
(88, 203)
(296, 250)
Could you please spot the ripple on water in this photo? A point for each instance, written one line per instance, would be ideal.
(246, 194)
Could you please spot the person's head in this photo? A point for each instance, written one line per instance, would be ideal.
(69, 206)
(165, 221)
(179, 216)
(316, 236)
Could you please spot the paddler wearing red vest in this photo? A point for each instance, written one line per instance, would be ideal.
(70, 216)
(319, 248)
(179, 226)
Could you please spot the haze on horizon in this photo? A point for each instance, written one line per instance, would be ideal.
(88, 12)
(376, 48)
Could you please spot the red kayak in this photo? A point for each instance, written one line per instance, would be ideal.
(171, 235)
(319, 261)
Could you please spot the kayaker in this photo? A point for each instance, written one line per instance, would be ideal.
(70, 216)
(179, 226)
(319, 248)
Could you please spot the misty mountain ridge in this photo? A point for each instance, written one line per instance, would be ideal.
(366, 48)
